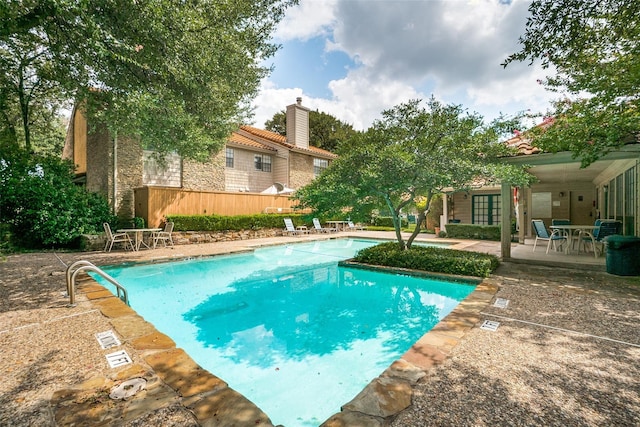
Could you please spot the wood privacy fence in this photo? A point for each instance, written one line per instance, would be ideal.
(153, 203)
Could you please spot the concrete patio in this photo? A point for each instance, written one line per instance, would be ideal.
(565, 353)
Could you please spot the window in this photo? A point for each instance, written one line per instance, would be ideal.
(319, 165)
(262, 162)
(229, 156)
(486, 209)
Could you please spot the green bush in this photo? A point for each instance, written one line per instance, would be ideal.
(387, 221)
(474, 231)
(437, 260)
(42, 205)
(236, 222)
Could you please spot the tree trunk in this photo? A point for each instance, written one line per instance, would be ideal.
(422, 216)
(396, 223)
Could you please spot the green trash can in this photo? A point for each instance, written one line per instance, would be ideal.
(623, 255)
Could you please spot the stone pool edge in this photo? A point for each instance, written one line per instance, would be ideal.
(175, 378)
(389, 394)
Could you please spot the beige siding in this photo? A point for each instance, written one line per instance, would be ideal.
(166, 172)
(244, 176)
(281, 170)
(298, 125)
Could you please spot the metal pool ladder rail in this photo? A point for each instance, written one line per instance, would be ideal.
(86, 265)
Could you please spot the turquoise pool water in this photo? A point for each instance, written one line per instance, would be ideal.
(285, 326)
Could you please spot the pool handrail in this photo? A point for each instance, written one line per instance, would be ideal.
(86, 265)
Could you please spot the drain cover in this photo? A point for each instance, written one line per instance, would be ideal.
(490, 325)
(128, 388)
(119, 358)
(107, 339)
(501, 303)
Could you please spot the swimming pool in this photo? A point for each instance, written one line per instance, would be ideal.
(286, 326)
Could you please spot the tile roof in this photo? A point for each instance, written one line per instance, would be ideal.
(243, 140)
(282, 140)
(523, 144)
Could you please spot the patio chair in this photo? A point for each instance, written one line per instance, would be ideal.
(291, 229)
(163, 236)
(115, 238)
(596, 238)
(354, 227)
(319, 229)
(543, 234)
(567, 233)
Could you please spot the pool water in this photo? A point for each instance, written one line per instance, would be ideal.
(285, 325)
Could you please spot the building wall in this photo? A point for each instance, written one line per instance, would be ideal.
(300, 170)
(209, 176)
(100, 163)
(244, 176)
(129, 176)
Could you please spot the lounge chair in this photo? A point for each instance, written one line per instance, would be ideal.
(291, 229)
(319, 229)
(115, 238)
(543, 234)
(354, 227)
(595, 239)
(163, 236)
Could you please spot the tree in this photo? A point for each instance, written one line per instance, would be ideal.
(408, 156)
(325, 131)
(178, 75)
(593, 48)
(42, 205)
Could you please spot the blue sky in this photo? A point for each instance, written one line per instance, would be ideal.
(355, 58)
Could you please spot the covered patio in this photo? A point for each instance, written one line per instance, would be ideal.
(606, 189)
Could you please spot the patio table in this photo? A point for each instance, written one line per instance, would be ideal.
(138, 235)
(338, 225)
(572, 232)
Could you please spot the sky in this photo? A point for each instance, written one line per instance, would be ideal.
(354, 59)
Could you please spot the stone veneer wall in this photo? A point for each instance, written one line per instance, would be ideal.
(96, 242)
(207, 176)
(130, 167)
(300, 170)
(100, 163)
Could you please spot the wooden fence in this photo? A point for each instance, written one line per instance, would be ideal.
(153, 203)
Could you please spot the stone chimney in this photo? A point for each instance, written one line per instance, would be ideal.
(298, 124)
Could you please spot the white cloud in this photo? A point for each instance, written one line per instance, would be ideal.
(310, 18)
(412, 49)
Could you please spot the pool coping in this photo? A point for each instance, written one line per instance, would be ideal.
(178, 379)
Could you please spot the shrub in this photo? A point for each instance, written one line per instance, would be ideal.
(387, 221)
(236, 222)
(474, 231)
(437, 260)
(42, 205)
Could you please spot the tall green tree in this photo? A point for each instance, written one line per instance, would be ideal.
(412, 153)
(592, 49)
(325, 130)
(178, 75)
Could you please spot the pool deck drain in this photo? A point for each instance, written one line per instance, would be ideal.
(174, 377)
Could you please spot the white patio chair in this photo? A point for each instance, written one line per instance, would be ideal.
(354, 227)
(115, 238)
(163, 236)
(320, 229)
(291, 229)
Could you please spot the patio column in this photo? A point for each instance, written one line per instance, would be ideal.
(444, 218)
(505, 221)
